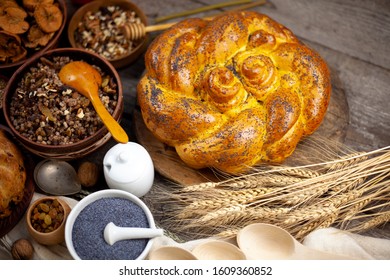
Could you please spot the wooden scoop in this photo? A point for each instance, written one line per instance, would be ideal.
(261, 241)
(86, 80)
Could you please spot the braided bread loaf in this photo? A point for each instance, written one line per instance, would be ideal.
(233, 92)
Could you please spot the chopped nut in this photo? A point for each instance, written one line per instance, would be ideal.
(67, 92)
(80, 113)
(101, 32)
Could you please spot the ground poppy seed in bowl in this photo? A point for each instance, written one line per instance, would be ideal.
(88, 229)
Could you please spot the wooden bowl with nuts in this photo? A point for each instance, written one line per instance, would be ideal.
(46, 219)
(53, 120)
(98, 26)
(29, 28)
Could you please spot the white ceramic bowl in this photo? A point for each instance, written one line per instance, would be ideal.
(109, 193)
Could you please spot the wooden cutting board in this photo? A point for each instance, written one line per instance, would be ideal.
(168, 164)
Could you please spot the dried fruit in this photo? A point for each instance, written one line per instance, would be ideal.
(49, 17)
(46, 112)
(32, 4)
(88, 173)
(20, 20)
(44, 207)
(47, 216)
(22, 249)
(13, 20)
(6, 4)
(36, 37)
(11, 49)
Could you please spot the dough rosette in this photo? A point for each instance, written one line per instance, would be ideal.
(232, 92)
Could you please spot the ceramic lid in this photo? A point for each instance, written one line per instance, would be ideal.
(125, 163)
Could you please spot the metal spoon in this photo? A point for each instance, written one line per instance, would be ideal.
(56, 177)
(85, 79)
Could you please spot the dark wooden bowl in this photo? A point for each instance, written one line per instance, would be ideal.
(82, 147)
(3, 79)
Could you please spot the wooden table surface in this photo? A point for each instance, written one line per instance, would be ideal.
(352, 36)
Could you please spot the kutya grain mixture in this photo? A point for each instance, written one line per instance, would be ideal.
(46, 111)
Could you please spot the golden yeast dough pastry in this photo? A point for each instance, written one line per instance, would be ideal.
(233, 92)
(13, 175)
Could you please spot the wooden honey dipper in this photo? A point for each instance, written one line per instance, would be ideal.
(135, 31)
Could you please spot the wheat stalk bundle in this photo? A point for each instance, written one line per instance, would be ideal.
(331, 185)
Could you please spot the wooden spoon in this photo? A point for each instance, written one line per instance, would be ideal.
(86, 80)
(260, 241)
(170, 252)
(218, 250)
